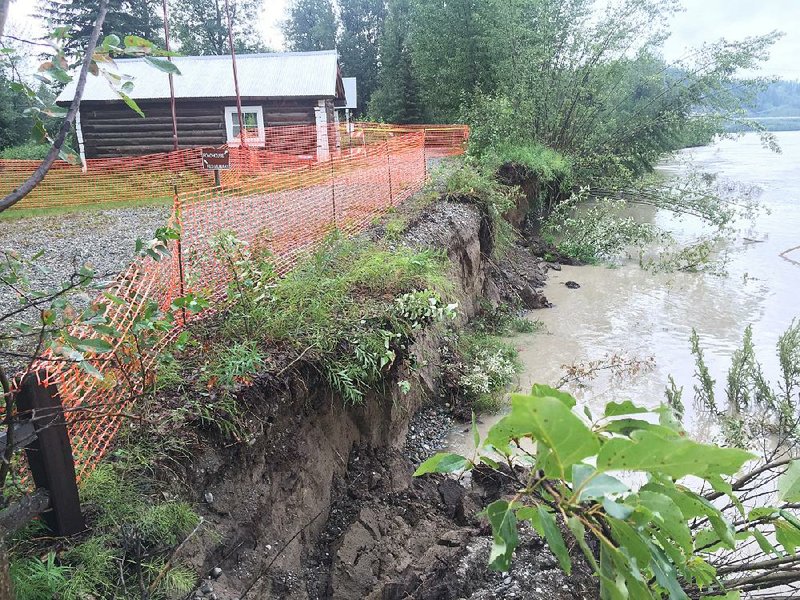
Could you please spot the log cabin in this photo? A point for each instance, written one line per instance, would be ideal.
(288, 88)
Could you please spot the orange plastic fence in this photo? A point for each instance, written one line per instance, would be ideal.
(440, 140)
(284, 202)
(155, 178)
(150, 178)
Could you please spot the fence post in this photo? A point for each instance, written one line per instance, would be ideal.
(425, 154)
(50, 455)
(333, 189)
(176, 211)
(389, 164)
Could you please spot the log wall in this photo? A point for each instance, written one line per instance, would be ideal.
(113, 129)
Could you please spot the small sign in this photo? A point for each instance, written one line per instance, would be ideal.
(216, 159)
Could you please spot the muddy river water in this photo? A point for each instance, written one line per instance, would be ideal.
(632, 313)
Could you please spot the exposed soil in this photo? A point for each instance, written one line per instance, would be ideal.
(321, 503)
(391, 537)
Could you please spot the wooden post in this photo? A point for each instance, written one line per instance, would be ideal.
(50, 456)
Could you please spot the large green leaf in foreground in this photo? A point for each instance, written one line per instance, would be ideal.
(647, 451)
(550, 422)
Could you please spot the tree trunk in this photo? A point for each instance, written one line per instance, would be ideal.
(5, 5)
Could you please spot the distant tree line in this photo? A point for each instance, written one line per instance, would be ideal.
(779, 99)
(587, 81)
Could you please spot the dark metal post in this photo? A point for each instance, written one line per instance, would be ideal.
(389, 164)
(242, 132)
(171, 82)
(50, 455)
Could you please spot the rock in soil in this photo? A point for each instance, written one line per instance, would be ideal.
(426, 542)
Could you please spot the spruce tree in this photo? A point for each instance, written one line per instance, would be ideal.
(397, 98)
(125, 17)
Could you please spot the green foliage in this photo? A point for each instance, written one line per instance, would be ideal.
(598, 231)
(132, 528)
(477, 185)
(503, 320)
(311, 25)
(201, 26)
(36, 579)
(26, 151)
(15, 125)
(753, 408)
(362, 28)
(649, 545)
(352, 307)
(490, 367)
(397, 98)
(546, 165)
(125, 17)
(450, 54)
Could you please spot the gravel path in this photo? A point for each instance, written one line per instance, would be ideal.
(102, 239)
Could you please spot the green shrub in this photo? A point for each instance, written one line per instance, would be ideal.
(490, 367)
(547, 165)
(123, 515)
(352, 306)
(597, 231)
(26, 151)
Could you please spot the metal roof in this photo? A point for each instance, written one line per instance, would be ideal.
(284, 75)
(350, 92)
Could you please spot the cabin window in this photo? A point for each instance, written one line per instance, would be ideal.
(253, 118)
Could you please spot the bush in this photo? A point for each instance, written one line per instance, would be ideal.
(599, 231)
(547, 165)
(352, 307)
(471, 183)
(490, 367)
(26, 151)
(132, 529)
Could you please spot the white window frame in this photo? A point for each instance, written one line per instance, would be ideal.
(232, 112)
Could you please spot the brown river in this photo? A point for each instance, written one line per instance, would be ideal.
(634, 314)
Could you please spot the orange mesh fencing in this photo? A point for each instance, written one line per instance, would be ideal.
(151, 178)
(155, 178)
(440, 140)
(283, 202)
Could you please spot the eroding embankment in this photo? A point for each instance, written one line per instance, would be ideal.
(321, 503)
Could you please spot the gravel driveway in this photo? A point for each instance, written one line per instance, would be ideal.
(102, 239)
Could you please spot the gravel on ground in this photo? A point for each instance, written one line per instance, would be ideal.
(103, 240)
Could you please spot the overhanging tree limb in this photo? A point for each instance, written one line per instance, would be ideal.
(35, 179)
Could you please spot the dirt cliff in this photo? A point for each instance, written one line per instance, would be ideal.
(321, 503)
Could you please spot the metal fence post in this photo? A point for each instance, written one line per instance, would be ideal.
(333, 186)
(389, 164)
(50, 455)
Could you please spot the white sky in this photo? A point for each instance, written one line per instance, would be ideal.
(703, 20)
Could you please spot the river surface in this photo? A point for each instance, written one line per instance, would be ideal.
(631, 313)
